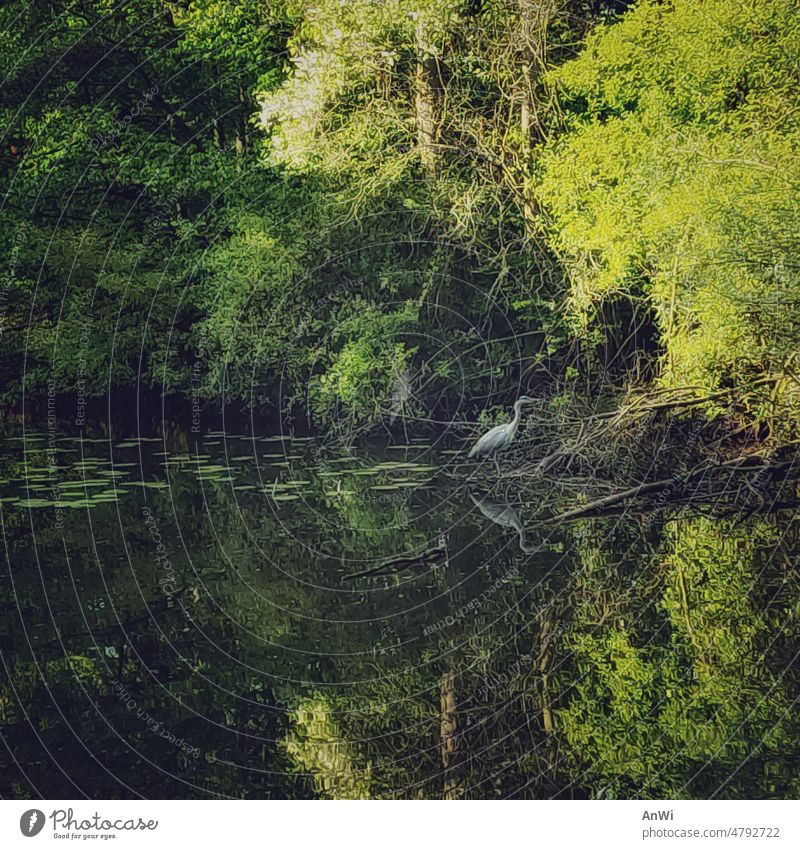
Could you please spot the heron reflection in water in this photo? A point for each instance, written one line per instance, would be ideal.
(505, 515)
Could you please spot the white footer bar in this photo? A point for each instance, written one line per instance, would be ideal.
(405, 825)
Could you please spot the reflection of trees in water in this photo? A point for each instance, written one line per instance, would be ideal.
(654, 666)
(682, 680)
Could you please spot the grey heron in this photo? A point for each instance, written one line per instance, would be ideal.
(499, 438)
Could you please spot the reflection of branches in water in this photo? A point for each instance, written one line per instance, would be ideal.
(432, 556)
(502, 724)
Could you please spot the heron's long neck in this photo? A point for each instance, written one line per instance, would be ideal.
(515, 421)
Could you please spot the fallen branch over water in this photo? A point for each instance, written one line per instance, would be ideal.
(602, 505)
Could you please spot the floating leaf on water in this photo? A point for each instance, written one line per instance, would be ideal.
(82, 484)
(36, 502)
(281, 487)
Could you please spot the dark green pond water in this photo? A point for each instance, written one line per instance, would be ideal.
(266, 617)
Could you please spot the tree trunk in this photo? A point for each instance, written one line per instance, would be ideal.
(544, 664)
(450, 748)
(241, 136)
(428, 93)
(534, 20)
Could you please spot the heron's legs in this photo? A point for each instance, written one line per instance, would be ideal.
(497, 463)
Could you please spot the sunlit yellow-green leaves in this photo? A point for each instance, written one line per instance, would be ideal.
(677, 183)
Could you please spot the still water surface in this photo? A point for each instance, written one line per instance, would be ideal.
(268, 617)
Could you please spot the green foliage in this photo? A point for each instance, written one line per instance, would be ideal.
(363, 373)
(210, 251)
(676, 183)
(127, 150)
(195, 188)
